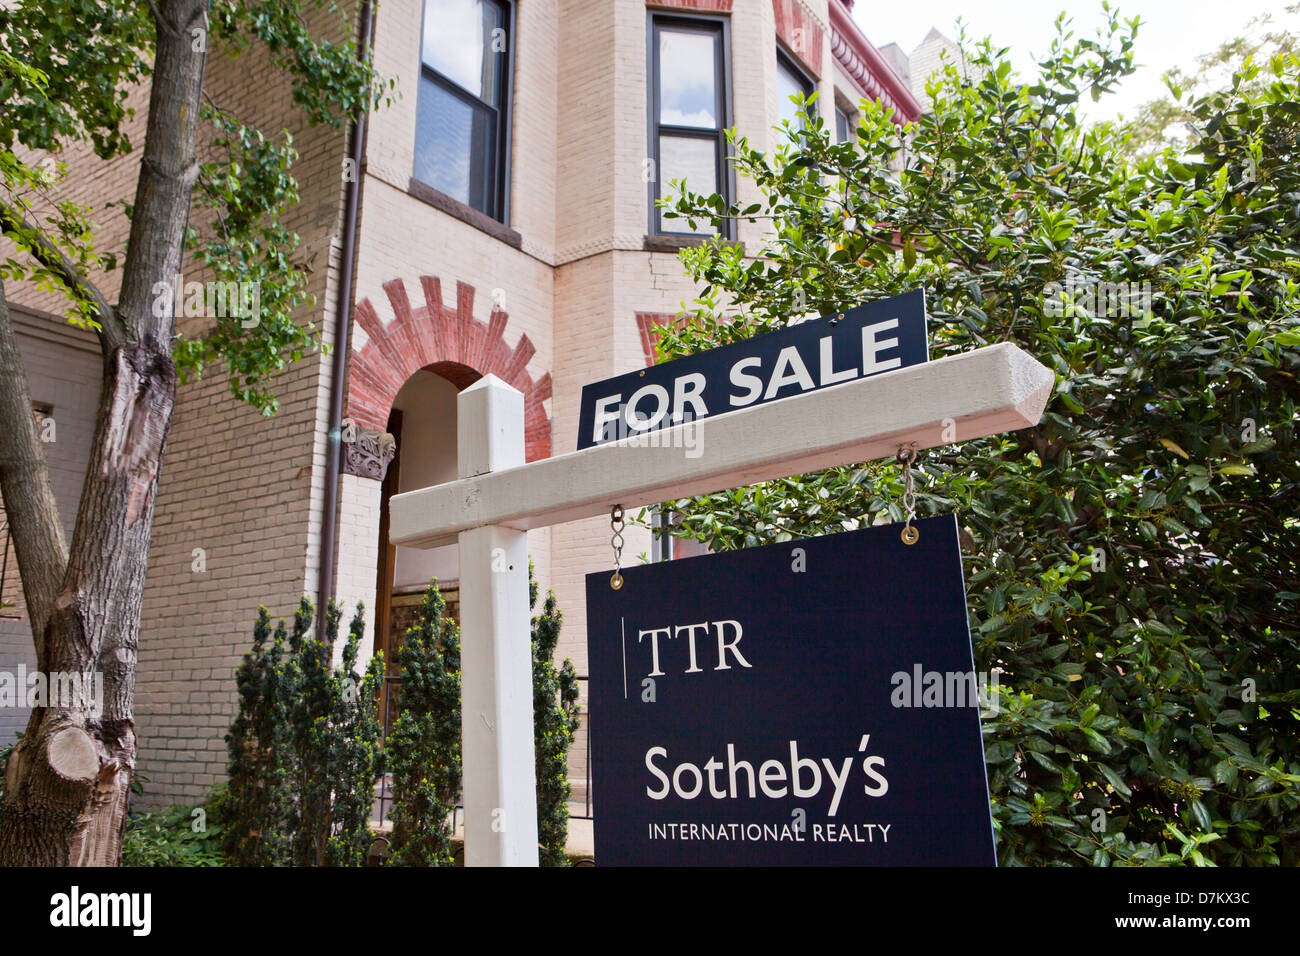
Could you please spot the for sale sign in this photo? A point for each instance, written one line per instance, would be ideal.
(860, 342)
(811, 702)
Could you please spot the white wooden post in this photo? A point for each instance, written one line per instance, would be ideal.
(500, 788)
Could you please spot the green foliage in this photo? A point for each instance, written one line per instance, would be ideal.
(337, 741)
(1163, 122)
(424, 745)
(261, 762)
(176, 836)
(555, 719)
(1132, 560)
(26, 188)
(245, 187)
(424, 748)
(305, 747)
(87, 104)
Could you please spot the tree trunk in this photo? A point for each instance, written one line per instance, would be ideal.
(68, 781)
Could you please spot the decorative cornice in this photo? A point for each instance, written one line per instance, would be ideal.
(867, 68)
(366, 453)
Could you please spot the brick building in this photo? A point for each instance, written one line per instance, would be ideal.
(505, 225)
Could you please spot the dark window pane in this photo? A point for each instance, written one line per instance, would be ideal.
(687, 79)
(692, 159)
(843, 127)
(464, 40)
(456, 147)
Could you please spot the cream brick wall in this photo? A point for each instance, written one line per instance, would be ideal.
(535, 136)
(928, 58)
(244, 488)
(585, 114)
(358, 554)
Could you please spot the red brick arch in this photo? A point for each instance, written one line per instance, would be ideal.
(386, 355)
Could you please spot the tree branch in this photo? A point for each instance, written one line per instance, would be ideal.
(168, 171)
(28, 494)
(111, 332)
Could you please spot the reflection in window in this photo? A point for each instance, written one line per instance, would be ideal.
(688, 109)
(843, 126)
(790, 81)
(462, 110)
(688, 93)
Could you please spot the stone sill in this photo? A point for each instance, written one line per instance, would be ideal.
(466, 214)
(671, 244)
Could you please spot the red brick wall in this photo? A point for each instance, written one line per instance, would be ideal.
(800, 34)
(434, 334)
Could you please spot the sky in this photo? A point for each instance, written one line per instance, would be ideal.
(1173, 32)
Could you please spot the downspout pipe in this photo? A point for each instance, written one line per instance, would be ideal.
(342, 343)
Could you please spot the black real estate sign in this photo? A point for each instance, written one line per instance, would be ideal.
(810, 702)
(866, 340)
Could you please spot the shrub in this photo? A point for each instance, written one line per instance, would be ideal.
(424, 748)
(260, 785)
(555, 718)
(176, 836)
(1132, 559)
(305, 747)
(424, 745)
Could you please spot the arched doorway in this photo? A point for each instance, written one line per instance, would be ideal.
(411, 354)
(423, 422)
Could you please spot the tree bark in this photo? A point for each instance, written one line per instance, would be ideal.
(68, 782)
(25, 481)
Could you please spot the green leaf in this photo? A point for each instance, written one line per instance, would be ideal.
(1115, 780)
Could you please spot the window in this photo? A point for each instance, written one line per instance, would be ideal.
(688, 113)
(790, 80)
(843, 126)
(462, 129)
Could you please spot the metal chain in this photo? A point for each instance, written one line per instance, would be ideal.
(616, 542)
(907, 458)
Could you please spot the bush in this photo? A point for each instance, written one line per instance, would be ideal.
(305, 747)
(1132, 559)
(176, 836)
(555, 718)
(260, 769)
(424, 746)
